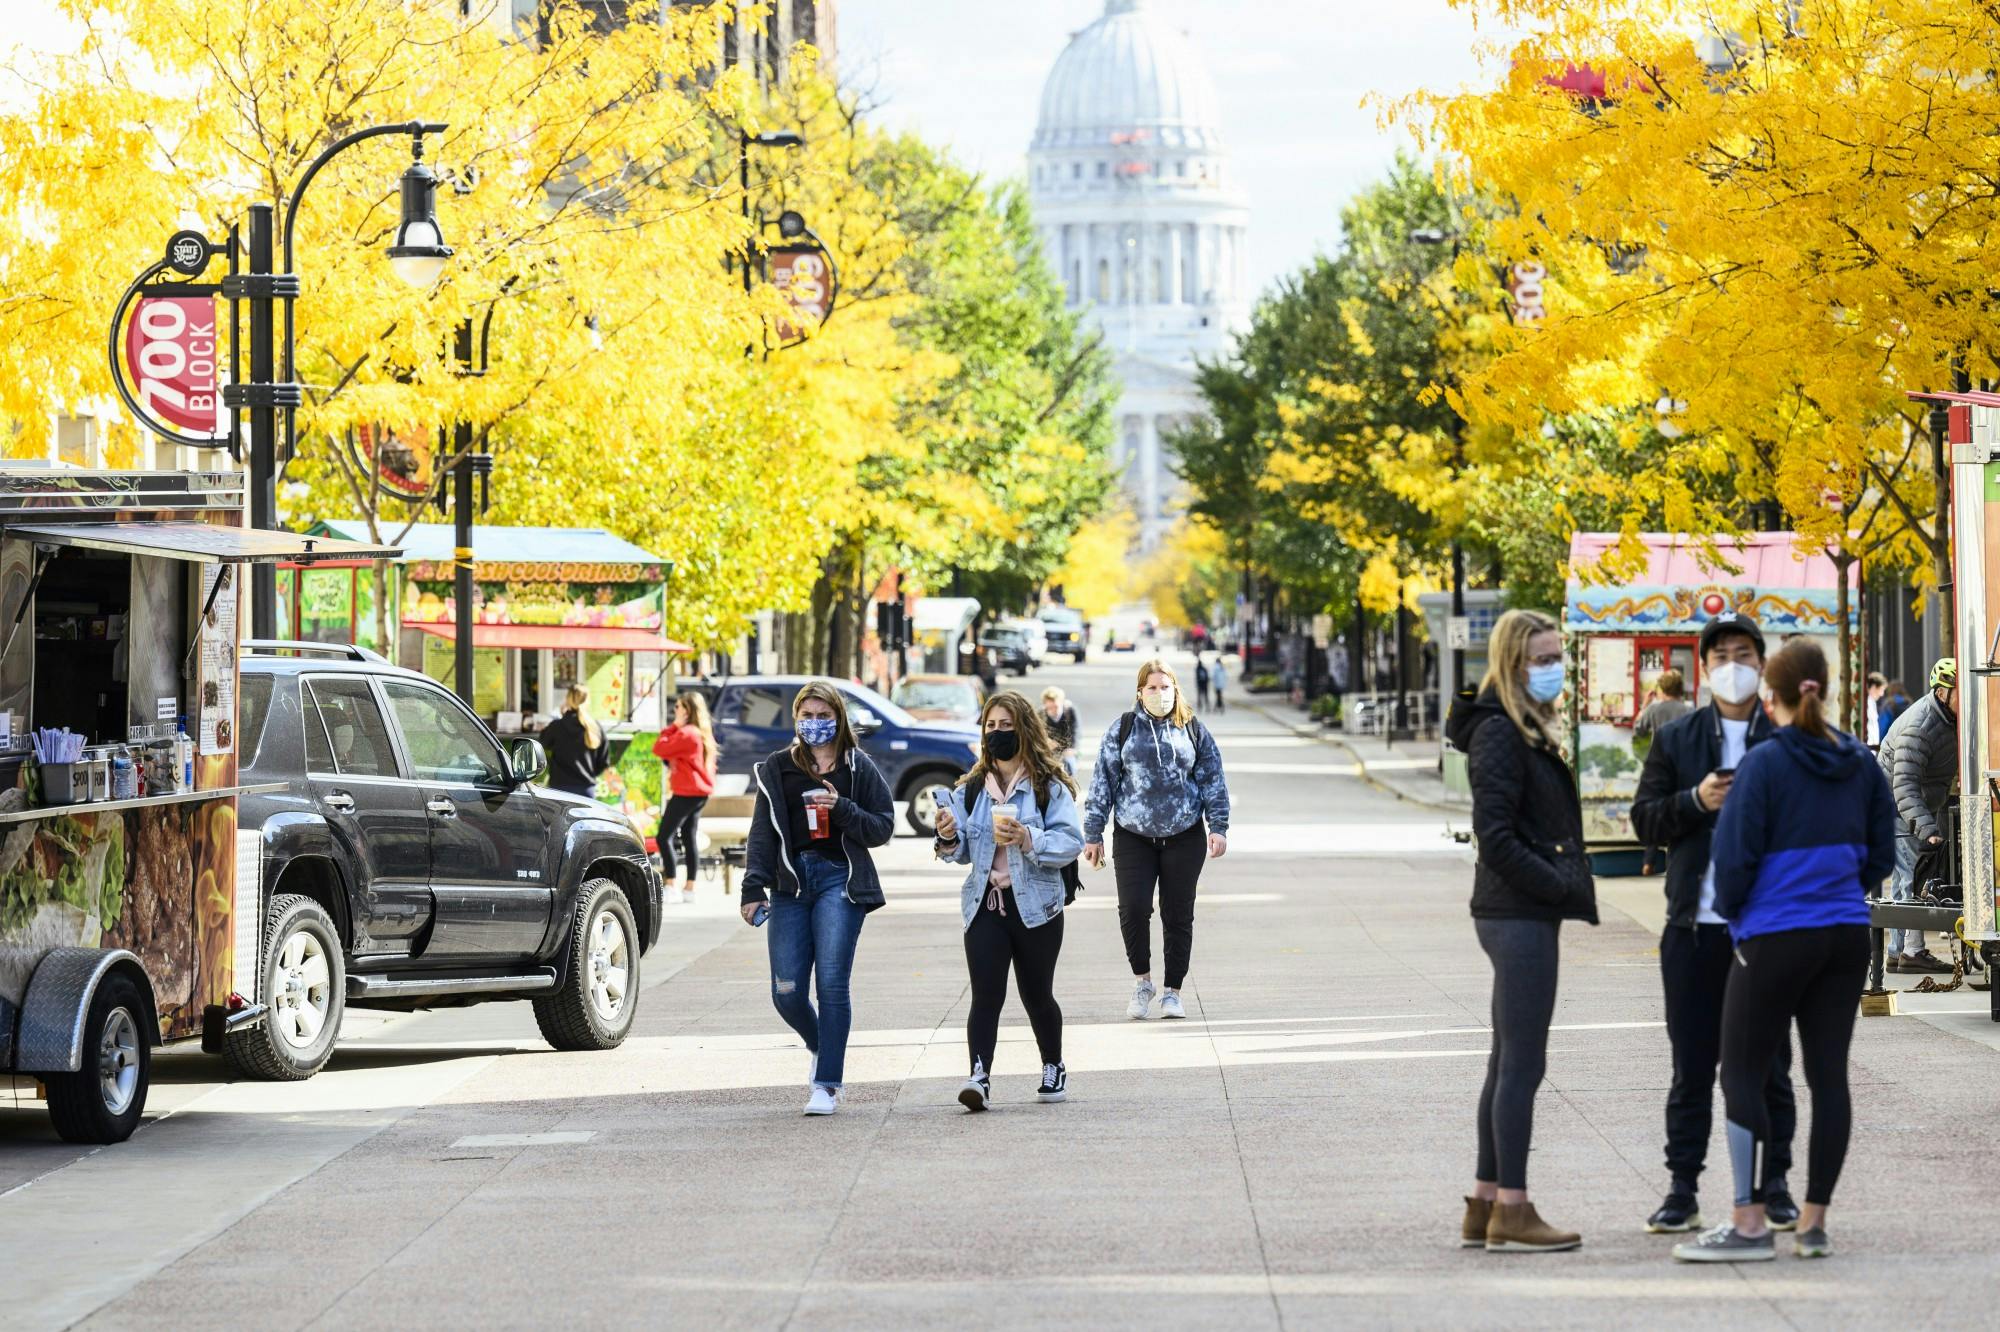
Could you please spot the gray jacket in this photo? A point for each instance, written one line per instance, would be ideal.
(1055, 837)
(1162, 781)
(1920, 757)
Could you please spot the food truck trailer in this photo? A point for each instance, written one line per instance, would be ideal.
(119, 922)
(1623, 636)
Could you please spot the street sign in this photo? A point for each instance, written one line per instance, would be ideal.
(1457, 632)
(170, 357)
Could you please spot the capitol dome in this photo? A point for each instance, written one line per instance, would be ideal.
(1128, 72)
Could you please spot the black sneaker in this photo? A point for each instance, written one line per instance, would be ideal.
(1680, 1212)
(978, 1089)
(1925, 960)
(1779, 1209)
(1055, 1083)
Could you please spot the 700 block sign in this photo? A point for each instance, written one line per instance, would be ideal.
(170, 358)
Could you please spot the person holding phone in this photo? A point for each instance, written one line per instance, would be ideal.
(1013, 820)
(821, 806)
(1689, 773)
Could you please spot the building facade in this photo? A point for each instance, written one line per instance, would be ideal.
(1142, 218)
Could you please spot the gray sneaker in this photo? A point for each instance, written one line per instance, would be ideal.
(1170, 1005)
(1812, 1243)
(1142, 999)
(1725, 1244)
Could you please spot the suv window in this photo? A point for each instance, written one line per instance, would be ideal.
(354, 741)
(765, 706)
(445, 743)
(253, 707)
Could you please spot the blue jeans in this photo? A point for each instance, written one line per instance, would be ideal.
(1902, 887)
(815, 933)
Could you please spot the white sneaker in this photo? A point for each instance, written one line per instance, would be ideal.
(1142, 999)
(687, 896)
(1170, 1005)
(823, 1101)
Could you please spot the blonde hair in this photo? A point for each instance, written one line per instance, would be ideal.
(574, 701)
(1183, 712)
(1053, 694)
(697, 710)
(843, 735)
(1507, 675)
(1038, 751)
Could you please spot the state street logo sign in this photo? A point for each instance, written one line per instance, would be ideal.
(805, 279)
(170, 358)
(405, 459)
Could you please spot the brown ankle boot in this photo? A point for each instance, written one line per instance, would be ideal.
(1516, 1228)
(1472, 1232)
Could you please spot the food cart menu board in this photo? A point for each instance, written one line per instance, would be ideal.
(1608, 676)
(218, 659)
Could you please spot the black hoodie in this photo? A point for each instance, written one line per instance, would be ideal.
(1527, 818)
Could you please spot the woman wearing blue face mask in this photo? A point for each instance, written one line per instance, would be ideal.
(1532, 876)
(821, 804)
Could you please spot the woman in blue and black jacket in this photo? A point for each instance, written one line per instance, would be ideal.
(1808, 827)
(1159, 777)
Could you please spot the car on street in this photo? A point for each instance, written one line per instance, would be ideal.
(941, 698)
(1008, 644)
(1065, 630)
(408, 860)
(753, 718)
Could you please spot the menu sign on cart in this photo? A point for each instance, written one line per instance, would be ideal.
(218, 660)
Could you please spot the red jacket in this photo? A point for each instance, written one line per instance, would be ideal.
(679, 747)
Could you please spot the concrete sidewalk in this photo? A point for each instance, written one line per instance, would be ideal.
(1409, 771)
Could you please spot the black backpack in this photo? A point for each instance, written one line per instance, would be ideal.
(1072, 879)
(1195, 731)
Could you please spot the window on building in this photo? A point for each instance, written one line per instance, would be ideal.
(1180, 168)
(1103, 169)
(1103, 281)
(1076, 171)
(1075, 281)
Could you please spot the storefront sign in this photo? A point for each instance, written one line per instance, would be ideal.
(170, 358)
(404, 458)
(599, 605)
(519, 571)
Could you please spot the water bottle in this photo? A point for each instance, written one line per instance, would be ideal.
(124, 777)
(183, 754)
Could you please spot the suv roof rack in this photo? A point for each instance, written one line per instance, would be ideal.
(274, 646)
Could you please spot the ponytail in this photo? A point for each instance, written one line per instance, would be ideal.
(1797, 675)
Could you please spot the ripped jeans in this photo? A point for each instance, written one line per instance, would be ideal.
(813, 936)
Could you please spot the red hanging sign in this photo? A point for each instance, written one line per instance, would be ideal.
(170, 358)
(805, 279)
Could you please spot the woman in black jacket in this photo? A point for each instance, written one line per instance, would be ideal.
(1532, 876)
(578, 749)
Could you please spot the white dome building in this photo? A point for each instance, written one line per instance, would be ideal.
(1141, 219)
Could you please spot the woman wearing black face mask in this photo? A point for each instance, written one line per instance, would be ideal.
(1013, 820)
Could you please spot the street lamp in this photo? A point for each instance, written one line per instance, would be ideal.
(419, 252)
(745, 140)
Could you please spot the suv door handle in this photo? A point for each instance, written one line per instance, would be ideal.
(442, 806)
(339, 800)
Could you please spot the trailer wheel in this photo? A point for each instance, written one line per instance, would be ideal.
(304, 981)
(593, 1009)
(102, 1101)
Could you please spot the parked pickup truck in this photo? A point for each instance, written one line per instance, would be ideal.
(753, 717)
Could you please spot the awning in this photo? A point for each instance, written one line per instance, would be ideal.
(202, 542)
(587, 637)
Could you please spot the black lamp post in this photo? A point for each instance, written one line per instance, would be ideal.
(467, 468)
(745, 140)
(1432, 236)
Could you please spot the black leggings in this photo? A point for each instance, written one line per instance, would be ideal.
(992, 941)
(1524, 954)
(681, 821)
(1174, 865)
(1816, 977)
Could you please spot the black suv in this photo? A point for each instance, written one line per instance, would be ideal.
(407, 861)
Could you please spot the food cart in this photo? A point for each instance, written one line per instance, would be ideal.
(1622, 637)
(119, 927)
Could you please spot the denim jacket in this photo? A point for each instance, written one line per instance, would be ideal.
(1055, 838)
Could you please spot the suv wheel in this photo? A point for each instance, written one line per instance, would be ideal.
(593, 1009)
(101, 1102)
(922, 813)
(304, 979)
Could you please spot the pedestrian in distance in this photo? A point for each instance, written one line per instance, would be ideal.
(822, 806)
(688, 748)
(1059, 716)
(1667, 703)
(579, 750)
(1532, 875)
(1871, 708)
(1809, 825)
(1013, 821)
(1159, 779)
(1919, 754)
(1895, 701)
(1200, 683)
(1686, 783)
(1217, 679)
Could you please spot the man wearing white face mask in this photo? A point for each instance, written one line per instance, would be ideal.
(1682, 789)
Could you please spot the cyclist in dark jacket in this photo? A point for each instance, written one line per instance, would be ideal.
(1684, 786)
(1532, 876)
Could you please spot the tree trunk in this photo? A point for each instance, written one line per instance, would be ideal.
(379, 572)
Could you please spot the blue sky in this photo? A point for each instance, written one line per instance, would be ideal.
(1291, 76)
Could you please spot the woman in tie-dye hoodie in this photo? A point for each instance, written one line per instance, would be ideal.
(1159, 778)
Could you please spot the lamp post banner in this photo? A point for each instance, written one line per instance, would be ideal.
(802, 274)
(171, 357)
